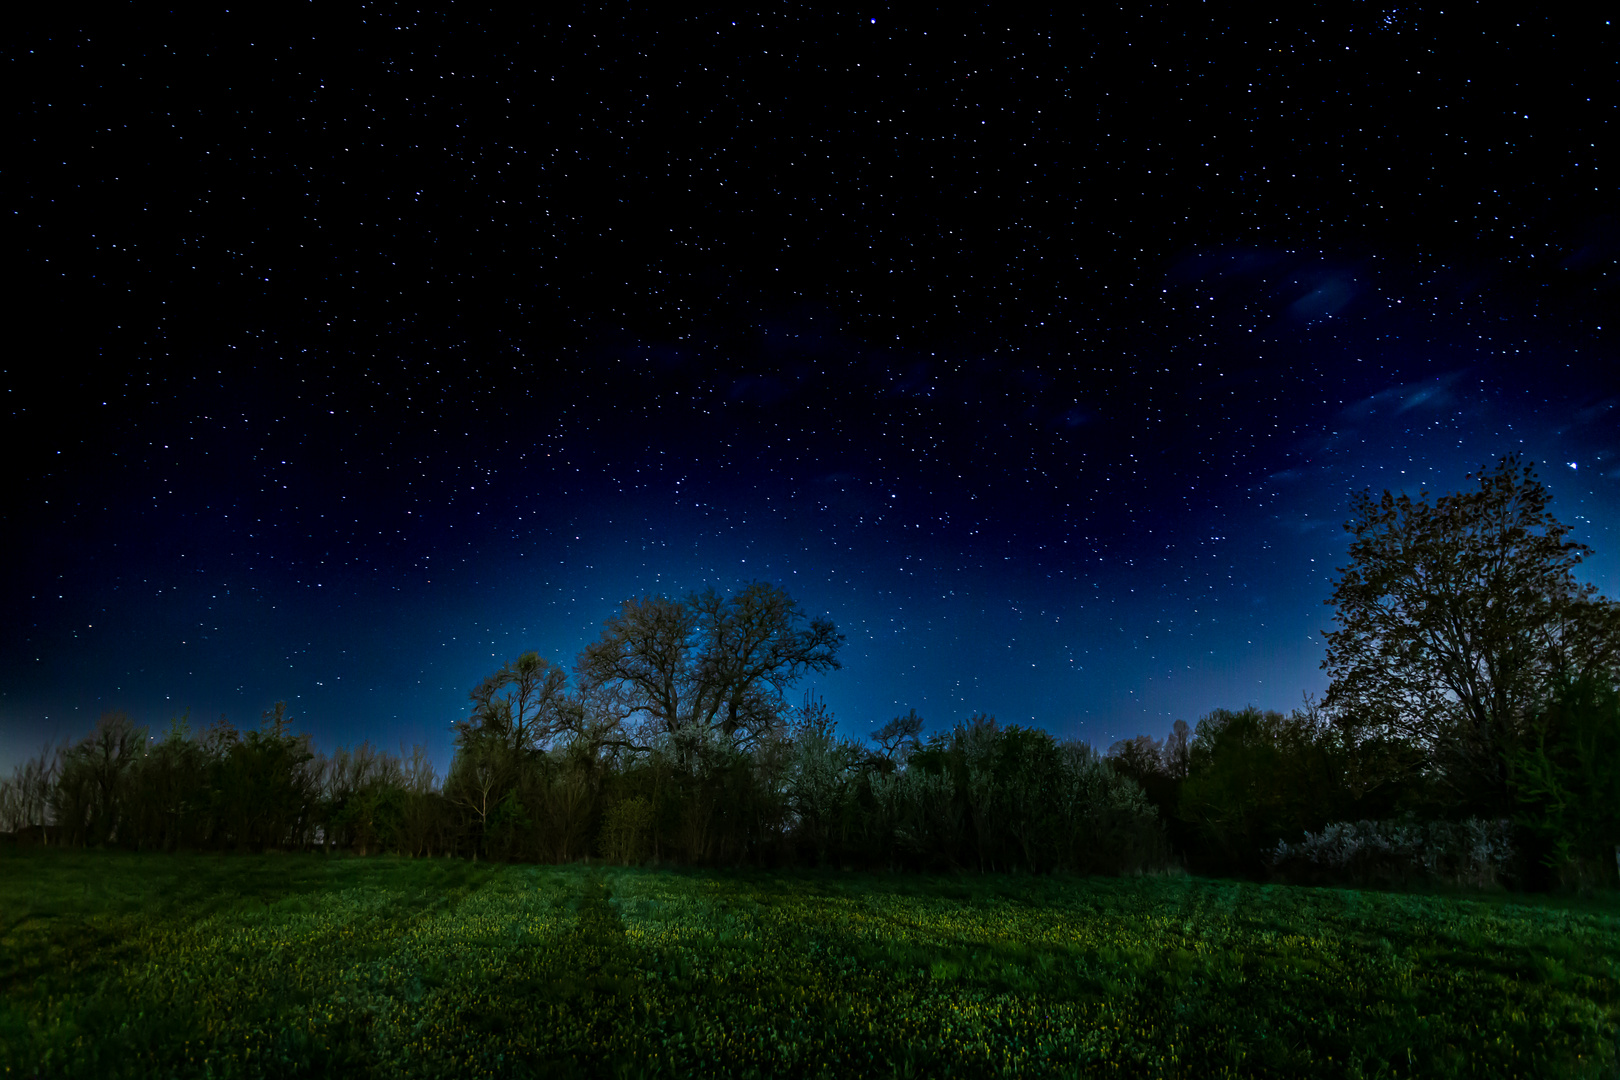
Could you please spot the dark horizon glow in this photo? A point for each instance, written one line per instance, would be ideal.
(1044, 362)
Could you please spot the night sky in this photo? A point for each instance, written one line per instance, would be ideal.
(359, 349)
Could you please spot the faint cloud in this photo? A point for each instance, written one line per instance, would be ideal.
(1435, 393)
(1305, 288)
(1328, 297)
(1602, 410)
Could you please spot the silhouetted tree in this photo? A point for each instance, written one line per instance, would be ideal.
(821, 788)
(25, 799)
(705, 672)
(1253, 778)
(423, 828)
(813, 715)
(1565, 778)
(1456, 617)
(1174, 755)
(265, 790)
(525, 704)
(169, 792)
(899, 737)
(482, 773)
(87, 797)
(1107, 824)
(1159, 768)
(1139, 757)
(926, 805)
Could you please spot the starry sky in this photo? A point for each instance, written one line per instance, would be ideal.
(359, 348)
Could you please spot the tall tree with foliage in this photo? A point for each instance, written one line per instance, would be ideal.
(264, 789)
(1456, 616)
(169, 791)
(1566, 783)
(1253, 778)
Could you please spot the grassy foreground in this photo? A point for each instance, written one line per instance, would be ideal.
(126, 965)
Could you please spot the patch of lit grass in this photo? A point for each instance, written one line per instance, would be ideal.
(123, 965)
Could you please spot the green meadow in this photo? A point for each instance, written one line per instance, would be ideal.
(119, 964)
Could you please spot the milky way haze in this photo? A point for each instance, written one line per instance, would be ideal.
(373, 348)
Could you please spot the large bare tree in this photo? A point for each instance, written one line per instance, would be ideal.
(523, 706)
(1457, 616)
(706, 667)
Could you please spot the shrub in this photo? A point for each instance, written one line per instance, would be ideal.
(1474, 852)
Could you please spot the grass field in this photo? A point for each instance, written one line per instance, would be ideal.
(203, 965)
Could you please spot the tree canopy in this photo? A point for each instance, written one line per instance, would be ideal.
(1456, 619)
(522, 706)
(707, 666)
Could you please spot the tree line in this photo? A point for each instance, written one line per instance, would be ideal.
(1471, 731)
(981, 796)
